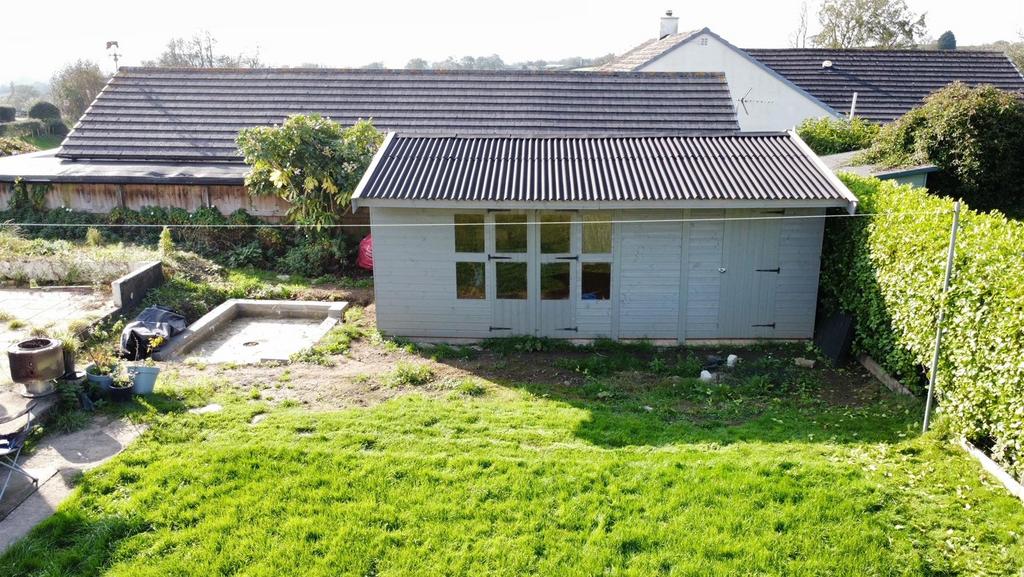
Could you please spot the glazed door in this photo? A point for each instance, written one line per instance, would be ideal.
(510, 245)
(558, 271)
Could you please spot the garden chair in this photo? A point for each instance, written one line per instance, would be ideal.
(11, 445)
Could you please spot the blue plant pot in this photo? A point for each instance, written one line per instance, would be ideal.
(144, 378)
(102, 381)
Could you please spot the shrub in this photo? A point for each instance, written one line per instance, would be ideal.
(166, 243)
(832, 136)
(974, 135)
(7, 113)
(315, 255)
(57, 127)
(44, 110)
(93, 237)
(887, 272)
(21, 128)
(408, 374)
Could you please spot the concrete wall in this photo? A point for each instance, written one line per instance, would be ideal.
(691, 280)
(128, 291)
(770, 104)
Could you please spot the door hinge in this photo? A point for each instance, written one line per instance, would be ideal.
(493, 257)
(573, 329)
(769, 325)
(567, 257)
(774, 270)
(499, 328)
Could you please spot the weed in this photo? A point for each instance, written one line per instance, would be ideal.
(16, 324)
(289, 404)
(408, 374)
(470, 387)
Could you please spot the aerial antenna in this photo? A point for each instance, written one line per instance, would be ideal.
(114, 53)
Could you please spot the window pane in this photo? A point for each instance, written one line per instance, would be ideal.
(510, 279)
(597, 232)
(510, 232)
(597, 281)
(469, 233)
(554, 233)
(554, 281)
(470, 280)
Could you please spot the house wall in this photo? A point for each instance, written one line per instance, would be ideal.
(102, 198)
(670, 280)
(769, 103)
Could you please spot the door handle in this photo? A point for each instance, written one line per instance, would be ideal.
(721, 269)
(492, 257)
(774, 270)
(567, 258)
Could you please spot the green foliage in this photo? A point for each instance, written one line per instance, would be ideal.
(974, 134)
(947, 41)
(93, 237)
(311, 162)
(408, 374)
(9, 146)
(27, 198)
(832, 135)
(471, 387)
(56, 127)
(44, 110)
(166, 243)
(315, 255)
(7, 113)
(887, 272)
(22, 128)
(868, 23)
(75, 86)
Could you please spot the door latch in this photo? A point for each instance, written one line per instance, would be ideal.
(774, 270)
(769, 325)
(573, 329)
(567, 257)
(492, 257)
(499, 328)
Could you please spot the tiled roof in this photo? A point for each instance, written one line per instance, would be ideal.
(646, 52)
(888, 83)
(166, 114)
(745, 167)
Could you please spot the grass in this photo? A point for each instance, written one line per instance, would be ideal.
(44, 141)
(408, 374)
(631, 474)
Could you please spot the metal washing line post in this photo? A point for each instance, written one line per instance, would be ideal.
(941, 316)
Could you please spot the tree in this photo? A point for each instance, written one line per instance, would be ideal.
(44, 110)
(75, 86)
(311, 162)
(868, 23)
(947, 41)
(378, 65)
(798, 39)
(975, 135)
(416, 64)
(199, 52)
(21, 95)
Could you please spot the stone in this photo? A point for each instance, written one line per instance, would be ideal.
(805, 363)
(211, 408)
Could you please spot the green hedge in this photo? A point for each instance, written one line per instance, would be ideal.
(832, 136)
(28, 127)
(887, 272)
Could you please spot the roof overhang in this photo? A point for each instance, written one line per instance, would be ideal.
(45, 167)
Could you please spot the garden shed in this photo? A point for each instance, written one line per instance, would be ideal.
(683, 238)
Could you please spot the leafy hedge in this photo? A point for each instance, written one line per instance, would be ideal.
(975, 135)
(887, 272)
(832, 136)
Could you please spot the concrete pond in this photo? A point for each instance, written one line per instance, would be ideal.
(246, 331)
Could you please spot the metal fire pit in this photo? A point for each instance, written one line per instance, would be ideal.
(35, 364)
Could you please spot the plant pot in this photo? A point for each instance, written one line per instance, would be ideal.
(69, 363)
(144, 379)
(122, 394)
(102, 381)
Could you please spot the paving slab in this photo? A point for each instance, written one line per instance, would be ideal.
(57, 461)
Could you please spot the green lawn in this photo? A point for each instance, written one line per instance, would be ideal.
(632, 474)
(44, 141)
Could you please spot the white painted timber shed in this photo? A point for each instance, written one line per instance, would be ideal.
(683, 238)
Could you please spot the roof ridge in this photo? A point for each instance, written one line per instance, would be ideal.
(403, 71)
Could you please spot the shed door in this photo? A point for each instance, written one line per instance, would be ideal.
(750, 275)
(509, 268)
(558, 274)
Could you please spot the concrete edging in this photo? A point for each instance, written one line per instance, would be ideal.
(995, 469)
(883, 377)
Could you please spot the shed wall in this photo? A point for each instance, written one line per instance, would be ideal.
(667, 278)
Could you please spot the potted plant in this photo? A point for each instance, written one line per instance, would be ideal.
(101, 369)
(122, 387)
(144, 375)
(72, 345)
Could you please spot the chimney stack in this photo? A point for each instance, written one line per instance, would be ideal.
(669, 25)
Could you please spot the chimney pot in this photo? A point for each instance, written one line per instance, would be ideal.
(669, 25)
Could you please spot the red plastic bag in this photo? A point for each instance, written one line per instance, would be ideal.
(365, 258)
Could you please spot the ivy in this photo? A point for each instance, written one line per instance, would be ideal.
(834, 135)
(887, 272)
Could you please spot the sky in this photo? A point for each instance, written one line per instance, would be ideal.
(343, 33)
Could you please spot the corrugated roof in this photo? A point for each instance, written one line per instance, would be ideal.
(646, 52)
(195, 114)
(761, 167)
(888, 82)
